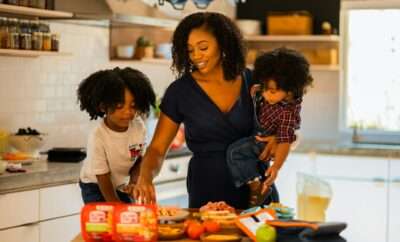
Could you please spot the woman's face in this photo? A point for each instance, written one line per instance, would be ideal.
(119, 119)
(203, 50)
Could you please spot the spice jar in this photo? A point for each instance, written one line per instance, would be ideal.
(25, 41)
(3, 32)
(13, 40)
(24, 3)
(55, 42)
(46, 41)
(37, 41)
(13, 2)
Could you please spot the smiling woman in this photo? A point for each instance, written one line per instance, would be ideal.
(211, 98)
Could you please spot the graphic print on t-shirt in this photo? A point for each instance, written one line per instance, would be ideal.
(135, 151)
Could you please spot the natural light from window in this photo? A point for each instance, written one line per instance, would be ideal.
(373, 70)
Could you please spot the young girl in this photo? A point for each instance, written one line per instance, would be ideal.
(120, 97)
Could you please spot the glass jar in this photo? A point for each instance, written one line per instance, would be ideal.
(24, 26)
(41, 4)
(34, 26)
(24, 3)
(44, 27)
(13, 40)
(3, 32)
(25, 41)
(33, 3)
(13, 2)
(47, 41)
(37, 41)
(55, 42)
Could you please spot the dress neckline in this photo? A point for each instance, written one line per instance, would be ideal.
(204, 93)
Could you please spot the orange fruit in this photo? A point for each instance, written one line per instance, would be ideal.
(195, 230)
(211, 226)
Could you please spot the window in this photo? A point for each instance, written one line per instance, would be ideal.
(371, 78)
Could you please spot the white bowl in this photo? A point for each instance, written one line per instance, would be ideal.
(249, 26)
(27, 143)
(3, 166)
(125, 51)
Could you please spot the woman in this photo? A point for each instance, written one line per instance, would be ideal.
(211, 97)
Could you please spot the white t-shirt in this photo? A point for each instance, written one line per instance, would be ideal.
(114, 152)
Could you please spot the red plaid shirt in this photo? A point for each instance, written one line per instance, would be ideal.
(281, 119)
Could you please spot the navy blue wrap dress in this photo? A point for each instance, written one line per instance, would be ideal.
(209, 132)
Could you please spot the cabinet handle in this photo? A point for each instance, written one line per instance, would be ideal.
(174, 167)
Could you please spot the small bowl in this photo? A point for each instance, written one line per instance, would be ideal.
(27, 143)
(125, 51)
(220, 237)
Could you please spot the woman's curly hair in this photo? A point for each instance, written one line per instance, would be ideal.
(105, 89)
(229, 38)
(287, 67)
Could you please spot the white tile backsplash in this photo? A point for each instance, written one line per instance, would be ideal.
(41, 92)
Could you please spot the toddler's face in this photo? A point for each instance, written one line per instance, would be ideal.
(119, 119)
(272, 94)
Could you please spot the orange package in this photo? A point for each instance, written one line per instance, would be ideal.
(135, 223)
(97, 222)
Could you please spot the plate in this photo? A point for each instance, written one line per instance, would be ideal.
(171, 232)
(179, 215)
(220, 238)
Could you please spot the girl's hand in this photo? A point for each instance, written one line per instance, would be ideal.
(144, 192)
(271, 173)
(255, 88)
(269, 149)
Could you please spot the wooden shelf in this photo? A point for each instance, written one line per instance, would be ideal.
(333, 68)
(147, 60)
(31, 53)
(34, 12)
(293, 38)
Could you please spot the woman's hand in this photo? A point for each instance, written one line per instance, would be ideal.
(254, 89)
(271, 173)
(144, 192)
(269, 149)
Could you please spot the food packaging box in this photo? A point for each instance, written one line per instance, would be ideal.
(322, 56)
(289, 23)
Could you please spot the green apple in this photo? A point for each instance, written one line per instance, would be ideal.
(265, 233)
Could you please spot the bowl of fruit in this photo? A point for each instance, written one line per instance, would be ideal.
(27, 140)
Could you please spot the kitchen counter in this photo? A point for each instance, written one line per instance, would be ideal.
(333, 148)
(45, 174)
(42, 174)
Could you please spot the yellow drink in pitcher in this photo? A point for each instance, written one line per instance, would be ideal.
(311, 208)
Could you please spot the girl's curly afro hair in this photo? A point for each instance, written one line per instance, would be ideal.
(229, 38)
(104, 90)
(288, 68)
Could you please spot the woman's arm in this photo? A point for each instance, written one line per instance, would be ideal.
(281, 153)
(152, 161)
(107, 188)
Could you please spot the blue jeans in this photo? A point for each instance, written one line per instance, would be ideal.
(91, 193)
(243, 160)
(243, 163)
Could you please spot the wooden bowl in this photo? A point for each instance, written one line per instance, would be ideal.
(170, 231)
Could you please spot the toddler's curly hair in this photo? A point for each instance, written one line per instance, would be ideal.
(287, 67)
(104, 90)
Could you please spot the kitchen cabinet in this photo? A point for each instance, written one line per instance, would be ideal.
(60, 230)
(19, 208)
(359, 196)
(52, 201)
(21, 234)
(322, 51)
(43, 215)
(362, 205)
(394, 200)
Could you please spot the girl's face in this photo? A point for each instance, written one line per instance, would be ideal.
(119, 119)
(272, 94)
(203, 50)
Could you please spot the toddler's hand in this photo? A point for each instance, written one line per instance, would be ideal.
(254, 89)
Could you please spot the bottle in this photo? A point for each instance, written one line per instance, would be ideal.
(55, 42)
